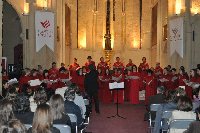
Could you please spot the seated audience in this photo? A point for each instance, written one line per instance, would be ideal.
(15, 126)
(6, 113)
(58, 111)
(43, 121)
(184, 111)
(196, 98)
(22, 108)
(70, 106)
(194, 126)
(159, 98)
(170, 105)
(80, 101)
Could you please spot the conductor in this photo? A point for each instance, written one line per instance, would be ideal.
(91, 86)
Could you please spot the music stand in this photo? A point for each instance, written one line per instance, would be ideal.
(116, 86)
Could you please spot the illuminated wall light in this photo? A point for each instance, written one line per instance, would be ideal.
(135, 44)
(42, 4)
(178, 6)
(82, 43)
(195, 7)
(26, 8)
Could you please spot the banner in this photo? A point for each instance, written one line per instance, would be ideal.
(176, 36)
(44, 29)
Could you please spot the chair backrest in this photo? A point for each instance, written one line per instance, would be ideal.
(154, 107)
(167, 114)
(180, 123)
(86, 101)
(28, 126)
(63, 128)
(73, 118)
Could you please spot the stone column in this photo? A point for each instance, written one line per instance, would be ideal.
(188, 36)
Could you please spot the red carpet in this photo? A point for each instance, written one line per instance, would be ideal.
(99, 123)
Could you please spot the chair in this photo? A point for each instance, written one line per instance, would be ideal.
(73, 119)
(86, 101)
(179, 125)
(63, 128)
(165, 118)
(28, 126)
(153, 108)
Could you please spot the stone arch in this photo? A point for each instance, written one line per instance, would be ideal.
(15, 4)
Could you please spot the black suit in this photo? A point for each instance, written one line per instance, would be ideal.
(91, 86)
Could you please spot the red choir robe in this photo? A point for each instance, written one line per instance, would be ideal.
(142, 70)
(166, 84)
(134, 88)
(181, 79)
(53, 75)
(143, 67)
(107, 97)
(60, 77)
(130, 65)
(24, 80)
(102, 66)
(89, 63)
(198, 79)
(5, 77)
(188, 89)
(119, 65)
(73, 72)
(158, 71)
(80, 82)
(150, 88)
(174, 81)
(127, 88)
(120, 91)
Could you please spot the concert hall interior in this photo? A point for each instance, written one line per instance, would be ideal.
(138, 46)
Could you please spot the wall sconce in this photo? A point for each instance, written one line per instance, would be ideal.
(179, 6)
(42, 4)
(82, 43)
(135, 44)
(26, 8)
(195, 7)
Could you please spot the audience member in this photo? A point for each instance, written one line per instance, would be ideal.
(15, 126)
(43, 121)
(194, 126)
(170, 105)
(58, 111)
(80, 101)
(6, 112)
(70, 106)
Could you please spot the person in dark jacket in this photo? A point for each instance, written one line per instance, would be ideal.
(70, 106)
(91, 86)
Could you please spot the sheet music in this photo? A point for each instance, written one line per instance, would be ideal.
(116, 85)
(35, 82)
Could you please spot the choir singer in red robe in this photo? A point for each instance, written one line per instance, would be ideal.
(135, 81)
(118, 77)
(89, 62)
(118, 64)
(102, 65)
(150, 85)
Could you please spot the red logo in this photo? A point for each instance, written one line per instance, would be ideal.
(45, 24)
